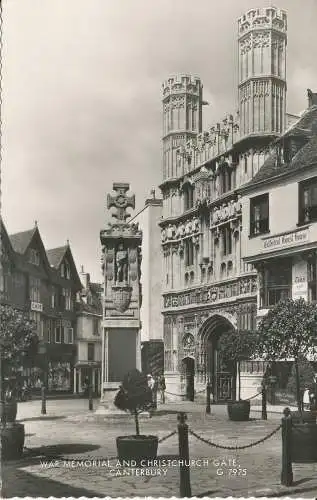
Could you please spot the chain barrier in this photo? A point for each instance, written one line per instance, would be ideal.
(167, 436)
(174, 394)
(243, 447)
(252, 397)
(199, 392)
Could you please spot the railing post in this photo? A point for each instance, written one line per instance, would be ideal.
(287, 472)
(184, 470)
(91, 404)
(208, 392)
(43, 398)
(264, 411)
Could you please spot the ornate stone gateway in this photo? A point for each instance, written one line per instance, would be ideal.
(121, 259)
(219, 372)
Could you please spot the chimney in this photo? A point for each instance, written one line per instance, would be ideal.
(312, 98)
(84, 278)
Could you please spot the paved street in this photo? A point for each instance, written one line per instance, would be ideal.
(70, 432)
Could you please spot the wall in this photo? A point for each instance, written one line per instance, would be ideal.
(85, 329)
(151, 270)
(283, 215)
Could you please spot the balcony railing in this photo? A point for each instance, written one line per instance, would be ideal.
(271, 295)
(259, 226)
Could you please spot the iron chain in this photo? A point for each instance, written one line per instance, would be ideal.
(243, 447)
(167, 436)
(252, 397)
(173, 394)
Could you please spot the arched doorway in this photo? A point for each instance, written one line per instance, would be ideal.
(221, 373)
(188, 373)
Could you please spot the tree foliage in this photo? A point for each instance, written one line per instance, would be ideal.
(306, 376)
(289, 330)
(134, 395)
(238, 345)
(18, 338)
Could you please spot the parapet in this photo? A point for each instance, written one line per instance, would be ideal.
(182, 83)
(264, 18)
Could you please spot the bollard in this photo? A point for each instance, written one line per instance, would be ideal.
(91, 404)
(264, 412)
(43, 398)
(287, 472)
(208, 392)
(184, 471)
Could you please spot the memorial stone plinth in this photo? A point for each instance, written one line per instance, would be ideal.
(121, 263)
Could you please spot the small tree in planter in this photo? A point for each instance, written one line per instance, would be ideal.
(289, 330)
(135, 396)
(237, 346)
(18, 340)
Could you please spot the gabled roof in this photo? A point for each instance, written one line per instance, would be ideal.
(5, 240)
(56, 255)
(306, 128)
(20, 241)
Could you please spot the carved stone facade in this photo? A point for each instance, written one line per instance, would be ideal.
(207, 287)
(121, 260)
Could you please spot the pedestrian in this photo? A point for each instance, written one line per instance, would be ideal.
(306, 399)
(151, 382)
(162, 388)
(312, 399)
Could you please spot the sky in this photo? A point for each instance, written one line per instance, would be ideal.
(81, 100)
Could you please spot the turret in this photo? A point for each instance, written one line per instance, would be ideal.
(262, 43)
(182, 118)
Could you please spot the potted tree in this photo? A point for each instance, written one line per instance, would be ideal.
(18, 341)
(135, 396)
(289, 331)
(236, 346)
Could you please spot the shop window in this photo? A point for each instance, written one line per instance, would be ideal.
(308, 201)
(91, 351)
(189, 252)
(259, 215)
(277, 284)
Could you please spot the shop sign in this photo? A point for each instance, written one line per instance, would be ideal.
(286, 240)
(36, 306)
(299, 280)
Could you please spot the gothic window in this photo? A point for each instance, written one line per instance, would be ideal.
(259, 215)
(227, 240)
(308, 201)
(188, 197)
(226, 180)
(90, 351)
(189, 252)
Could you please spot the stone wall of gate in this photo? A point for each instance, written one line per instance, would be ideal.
(181, 339)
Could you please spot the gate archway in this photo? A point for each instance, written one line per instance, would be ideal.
(219, 372)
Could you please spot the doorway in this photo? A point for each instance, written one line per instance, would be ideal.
(188, 370)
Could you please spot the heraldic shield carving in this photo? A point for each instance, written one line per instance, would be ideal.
(121, 297)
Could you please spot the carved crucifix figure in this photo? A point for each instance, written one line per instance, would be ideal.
(121, 264)
(121, 201)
